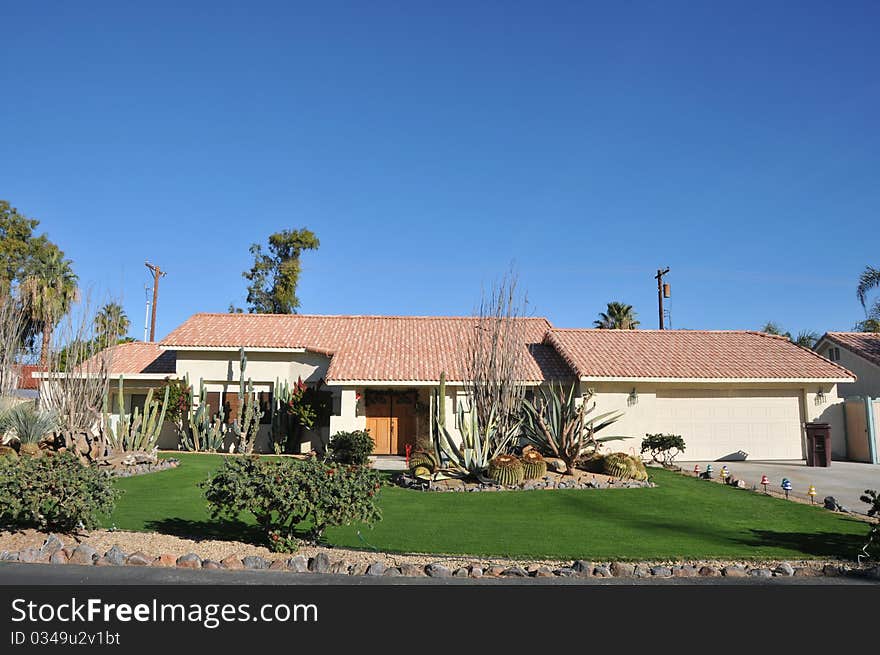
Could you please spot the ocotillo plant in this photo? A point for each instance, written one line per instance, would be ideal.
(135, 431)
(247, 420)
(203, 432)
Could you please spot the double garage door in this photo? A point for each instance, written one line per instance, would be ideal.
(750, 424)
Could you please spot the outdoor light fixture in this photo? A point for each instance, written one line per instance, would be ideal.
(633, 397)
(820, 397)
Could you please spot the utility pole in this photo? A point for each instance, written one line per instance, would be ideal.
(147, 305)
(157, 273)
(662, 292)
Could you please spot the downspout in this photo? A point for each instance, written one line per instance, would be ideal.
(872, 429)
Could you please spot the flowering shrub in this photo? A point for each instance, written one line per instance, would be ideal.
(282, 494)
(54, 492)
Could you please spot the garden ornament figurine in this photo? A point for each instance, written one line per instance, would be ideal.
(764, 482)
(811, 492)
(786, 486)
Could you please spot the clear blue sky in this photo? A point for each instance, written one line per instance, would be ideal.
(429, 145)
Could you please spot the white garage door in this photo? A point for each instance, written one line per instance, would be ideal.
(733, 424)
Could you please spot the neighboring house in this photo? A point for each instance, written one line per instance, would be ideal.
(729, 394)
(860, 353)
(28, 385)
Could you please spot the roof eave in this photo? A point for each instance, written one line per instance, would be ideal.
(841, 380)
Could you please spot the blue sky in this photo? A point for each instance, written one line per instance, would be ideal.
(430, 145)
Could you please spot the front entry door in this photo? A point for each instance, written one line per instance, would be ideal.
(390, 420)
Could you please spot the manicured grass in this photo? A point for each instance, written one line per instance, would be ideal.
(680, 518)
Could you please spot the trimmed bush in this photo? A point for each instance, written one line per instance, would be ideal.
(54, 493)
(664, 448)
(351, 447)
(282, 494)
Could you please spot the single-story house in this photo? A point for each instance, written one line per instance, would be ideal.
(860, 353)
(730, 394)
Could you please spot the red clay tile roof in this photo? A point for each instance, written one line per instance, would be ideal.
(137, 357)
(369, 348)
(864, 344)
(688, 354)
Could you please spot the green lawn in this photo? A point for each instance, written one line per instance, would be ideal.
(680, 518)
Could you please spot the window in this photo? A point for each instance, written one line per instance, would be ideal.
(138, 400)
(834, 354)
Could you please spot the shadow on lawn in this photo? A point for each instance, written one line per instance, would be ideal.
(819, 544)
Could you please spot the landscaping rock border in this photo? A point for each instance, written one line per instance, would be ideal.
(53, 551)
(144, 468)
(581, 480)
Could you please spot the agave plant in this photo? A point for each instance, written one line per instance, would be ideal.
(560, 426)
(29, 423)
(478, 447)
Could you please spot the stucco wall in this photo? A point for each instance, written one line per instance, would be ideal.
(640, 416)
(867, 374)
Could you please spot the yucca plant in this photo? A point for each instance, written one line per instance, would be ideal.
(29, 423)
(560, 426)
(478, 447)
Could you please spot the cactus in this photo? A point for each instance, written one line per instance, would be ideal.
(247, 420)
(29, 450)
(135, 431)
(280, 417)
(506, 470)
(441, 408)
(424, 459)
(534, 466)
(203, 432)
(421, 472)
(621, 465)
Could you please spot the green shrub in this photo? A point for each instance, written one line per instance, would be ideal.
(282, 494)
(664, 448)
(351, 447)
(54, 493)
(871, 549)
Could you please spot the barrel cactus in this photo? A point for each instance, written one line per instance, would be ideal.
(506, 470)
(534, 466)
(422, 458)
(421, 471)
(621, 465)
(29, 450)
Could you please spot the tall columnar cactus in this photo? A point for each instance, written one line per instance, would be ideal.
(203, 432)
(247, 419)
(438, 419)
(280, 416)
(135, 431)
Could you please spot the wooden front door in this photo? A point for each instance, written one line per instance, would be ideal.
(391, 420)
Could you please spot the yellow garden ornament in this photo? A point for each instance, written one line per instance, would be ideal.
(811, 492)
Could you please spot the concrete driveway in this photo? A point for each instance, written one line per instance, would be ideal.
(846, 481)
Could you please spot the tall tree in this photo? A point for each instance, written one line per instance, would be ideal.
(617, 316)
(111, 324)
(806, 339)
(18, 245)
(49, 289)
(771, 327)
(274, 276)
(868, 280)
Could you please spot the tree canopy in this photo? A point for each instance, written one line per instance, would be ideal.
(275, 275)
(617, 316)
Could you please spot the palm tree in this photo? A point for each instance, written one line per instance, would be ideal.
(617, 316)
(49, 289)
(111, 324)
(869, 279)
(806, 339)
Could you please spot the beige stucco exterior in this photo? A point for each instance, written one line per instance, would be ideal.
(867, 374)
(720, 419)
(729, 420)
